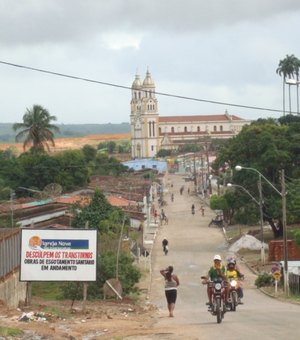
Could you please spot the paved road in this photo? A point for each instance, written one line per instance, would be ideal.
(192, 246)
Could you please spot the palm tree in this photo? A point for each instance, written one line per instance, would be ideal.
(37, 129)
(296, 71)
(286, 68)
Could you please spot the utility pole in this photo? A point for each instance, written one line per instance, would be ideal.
(195, 174)
(285, 245)
(262, 251)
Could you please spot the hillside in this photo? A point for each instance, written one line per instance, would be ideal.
(62, 144)
(7, 134)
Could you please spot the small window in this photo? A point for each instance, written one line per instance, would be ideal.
(198, 128)
(172, 129)
(215, 128)
(185, 129)
(152, 147)
(221, 127)
(154, 166)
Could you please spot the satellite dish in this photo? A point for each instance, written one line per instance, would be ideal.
(52, 190)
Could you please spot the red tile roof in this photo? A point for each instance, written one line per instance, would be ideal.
(119, 201)
(199, 118)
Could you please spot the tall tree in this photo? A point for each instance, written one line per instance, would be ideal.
(297, 71)
(37, 129)
(267, 148)
(289, 68)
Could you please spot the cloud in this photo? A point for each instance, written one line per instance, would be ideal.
(58, 21)
(118, 41)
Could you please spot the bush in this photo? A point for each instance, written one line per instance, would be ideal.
(129, 275)
(264, 279)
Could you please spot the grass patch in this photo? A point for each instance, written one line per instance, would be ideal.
(13, 332)
(48, 290)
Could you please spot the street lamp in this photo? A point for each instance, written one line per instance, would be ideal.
(283, 197)
(244, 189)
(259, 203)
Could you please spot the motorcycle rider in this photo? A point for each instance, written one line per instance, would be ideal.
(217, 271)
(233, 273)
(165, 245)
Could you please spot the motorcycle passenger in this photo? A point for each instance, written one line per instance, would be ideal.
(233, 273)
(217, 271)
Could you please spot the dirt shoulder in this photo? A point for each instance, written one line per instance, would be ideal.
(57, 320)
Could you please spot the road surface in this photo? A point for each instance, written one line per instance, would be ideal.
(192, 246)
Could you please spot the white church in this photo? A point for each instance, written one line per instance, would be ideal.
(151, 132)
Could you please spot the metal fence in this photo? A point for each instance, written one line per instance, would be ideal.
(294, 284)
(10, 251)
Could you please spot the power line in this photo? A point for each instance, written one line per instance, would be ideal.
(129, 88)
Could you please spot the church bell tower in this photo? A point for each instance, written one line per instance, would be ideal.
(144, 119)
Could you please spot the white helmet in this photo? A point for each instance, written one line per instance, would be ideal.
(217, 257)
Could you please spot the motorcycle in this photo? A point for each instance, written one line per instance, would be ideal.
(166, 249)
(234, 298)
(233, 294)
(218, 307)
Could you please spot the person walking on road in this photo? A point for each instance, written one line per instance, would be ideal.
(171, 284)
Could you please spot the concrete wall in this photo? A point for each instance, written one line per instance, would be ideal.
(12, 291)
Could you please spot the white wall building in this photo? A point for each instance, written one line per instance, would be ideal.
(150, 132)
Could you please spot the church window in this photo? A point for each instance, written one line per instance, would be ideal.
(150, 130)
(153, 127)
(152, 147)
(198, 128)
(172, 129)
(221, 127)
(215, 128)
(139, 95)
(185, 129)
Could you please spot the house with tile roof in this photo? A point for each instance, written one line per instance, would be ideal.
(151, 132)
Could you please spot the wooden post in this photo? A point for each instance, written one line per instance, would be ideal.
(85, 284)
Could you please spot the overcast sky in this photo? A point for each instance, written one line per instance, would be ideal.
(220, 50)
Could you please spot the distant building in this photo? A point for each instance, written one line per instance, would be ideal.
(142, 164)
(150, 132)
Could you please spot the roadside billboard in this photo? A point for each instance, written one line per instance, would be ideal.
(58, 255)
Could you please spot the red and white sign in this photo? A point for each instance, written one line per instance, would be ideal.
(58, 255)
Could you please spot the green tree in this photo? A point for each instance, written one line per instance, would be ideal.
(37, 129)
(72, 170)
(268, 148)
(289, 68)
(36, 170)
(96, 213)
(105, 165)
(89, 153)
(164, 153)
